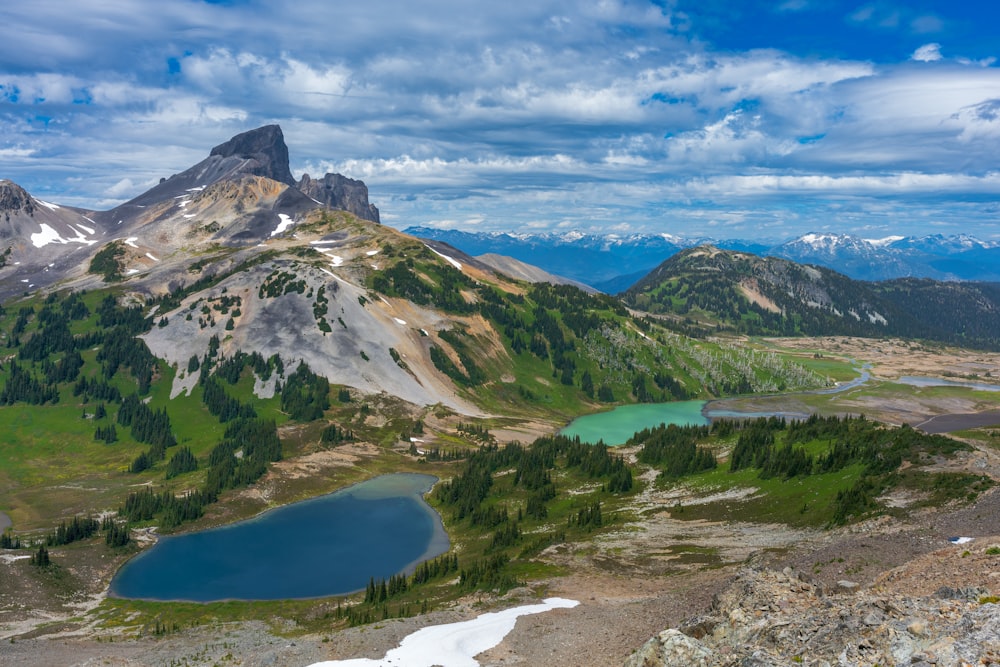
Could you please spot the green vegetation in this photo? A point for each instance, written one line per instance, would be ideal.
(822, 470)
(108, 263)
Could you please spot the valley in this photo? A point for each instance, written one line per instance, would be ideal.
(235, 340)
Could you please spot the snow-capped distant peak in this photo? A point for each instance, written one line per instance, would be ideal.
(822, 241)
(881, 243)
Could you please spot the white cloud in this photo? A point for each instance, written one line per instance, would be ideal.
(569, 113)
(928, 53)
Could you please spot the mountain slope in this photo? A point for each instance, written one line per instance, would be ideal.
(772, 296)
(242, 193)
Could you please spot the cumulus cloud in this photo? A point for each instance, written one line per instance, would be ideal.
(928, 53)
(591, 114)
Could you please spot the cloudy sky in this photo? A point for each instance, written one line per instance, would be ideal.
(721, 118)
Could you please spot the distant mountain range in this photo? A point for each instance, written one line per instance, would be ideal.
(613, 263)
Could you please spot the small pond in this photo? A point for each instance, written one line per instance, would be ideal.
(915, 381)
(325, 546)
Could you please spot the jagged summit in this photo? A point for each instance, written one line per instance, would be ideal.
(338, 191)
(265, 150)
(15, 199)
(242, 194)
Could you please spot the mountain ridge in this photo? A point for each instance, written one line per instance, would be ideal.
(715, 289)
(243, 192)
(608, 262)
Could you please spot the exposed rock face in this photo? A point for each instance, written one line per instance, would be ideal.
(340, 192)
(266, 147)
(14, 199)
(781, 618)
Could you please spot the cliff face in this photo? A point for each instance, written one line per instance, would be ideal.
(265, 150)
(340, 192)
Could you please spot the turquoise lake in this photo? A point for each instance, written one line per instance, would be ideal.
(325, 546)
(616, 426)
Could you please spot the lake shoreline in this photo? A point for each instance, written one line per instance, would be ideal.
(375, 492)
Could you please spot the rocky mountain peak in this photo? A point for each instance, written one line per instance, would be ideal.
(15, 199)
(265, 146)
(340, 192)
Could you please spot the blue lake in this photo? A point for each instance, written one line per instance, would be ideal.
(616, 426)
(325, 546)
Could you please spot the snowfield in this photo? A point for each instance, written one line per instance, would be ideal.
(453, 644)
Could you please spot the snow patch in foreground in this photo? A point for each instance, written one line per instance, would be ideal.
(453, 644)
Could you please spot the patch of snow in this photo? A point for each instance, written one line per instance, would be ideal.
(130, 241)
(876, 318)
(190, 215)
(328, 271)
(45, 237)
(453, 644)
(89, 230)
(51, 207)
(10, 558)
(337, 260)
(196, 189)
(375, 266)
(454, 262)
(960, 540)
(399, 321)
(372, 253)
(151, 257)
(49, 235)
(286, 222)
(131, 271)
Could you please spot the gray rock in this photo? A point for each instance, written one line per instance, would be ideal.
(265, 148)
(340, 192)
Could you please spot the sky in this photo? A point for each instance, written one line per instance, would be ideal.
(726, 119)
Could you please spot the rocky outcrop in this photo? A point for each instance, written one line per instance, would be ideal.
(15, 199)
(265, 148)
(340, 192)
(768, 618)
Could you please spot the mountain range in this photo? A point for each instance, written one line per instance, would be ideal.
(613, 263)
(233, 255)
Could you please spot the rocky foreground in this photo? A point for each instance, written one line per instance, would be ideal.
(936, 610)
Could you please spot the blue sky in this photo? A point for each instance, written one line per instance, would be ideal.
(716, 118)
